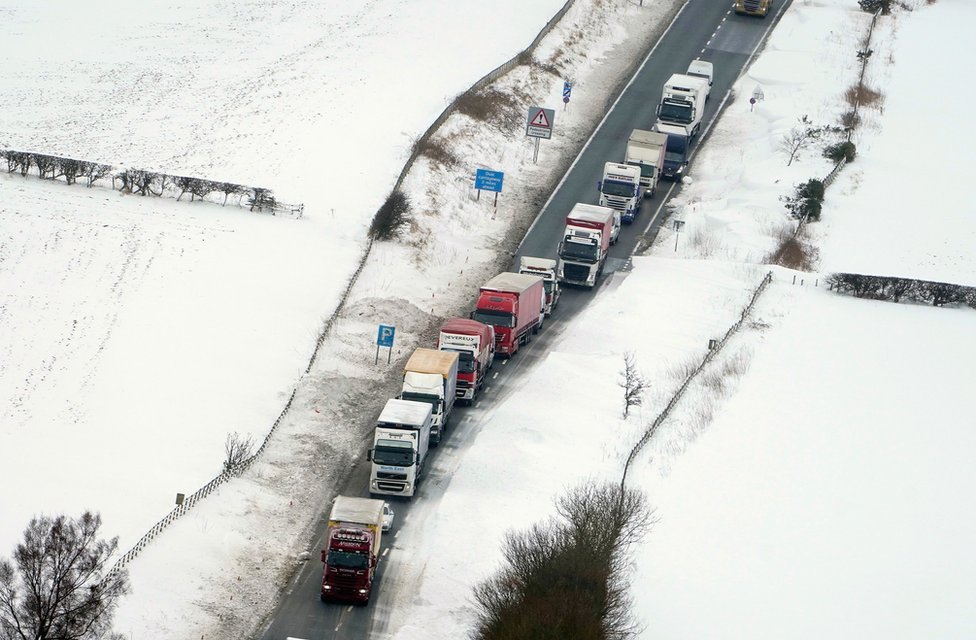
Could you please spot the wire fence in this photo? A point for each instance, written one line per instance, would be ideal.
(712, 352)
(208, 488)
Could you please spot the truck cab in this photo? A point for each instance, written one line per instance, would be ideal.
(753, 7)
(545, 269)
(620, 190)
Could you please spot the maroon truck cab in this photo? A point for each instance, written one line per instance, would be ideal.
(349, 565)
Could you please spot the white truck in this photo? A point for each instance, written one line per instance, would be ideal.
(400, 444)
(585, 244)
(430, 376)
(683, 103)
(545, 269)
(645, 150)
(702, 69)
(620, 189)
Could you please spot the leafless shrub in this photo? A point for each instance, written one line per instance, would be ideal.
(793, 253)
(489, 105)
(863, 95)
(390, 218)
(436, 150)
(633, 382)
(46, 165)
(237, 449)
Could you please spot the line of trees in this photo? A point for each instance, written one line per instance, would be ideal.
(142, 182)
(895, 289)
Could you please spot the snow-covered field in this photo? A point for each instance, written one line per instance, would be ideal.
(817, 490)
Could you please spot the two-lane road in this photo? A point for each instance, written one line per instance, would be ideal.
(704, 29)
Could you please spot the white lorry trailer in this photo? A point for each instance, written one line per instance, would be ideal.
(400, 444)
(683, 103)
(620, 189)
(645, 150)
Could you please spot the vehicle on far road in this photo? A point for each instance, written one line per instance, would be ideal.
(702, 69)
(753, 7)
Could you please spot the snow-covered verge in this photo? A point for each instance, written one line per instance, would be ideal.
(261, 524)
(135, 333)
(810, 484)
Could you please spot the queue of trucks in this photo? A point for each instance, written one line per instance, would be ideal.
(509, 310)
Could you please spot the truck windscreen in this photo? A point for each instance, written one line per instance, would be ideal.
(494, 318)
(621, 189)
(394, 453)
(347, 560)
(676, 112)
(578, 251)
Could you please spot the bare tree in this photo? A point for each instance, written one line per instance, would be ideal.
(237, 449)
(633, 383)
(57, 587)
(801, 136)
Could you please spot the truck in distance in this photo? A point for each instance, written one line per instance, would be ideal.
(474, 342)
(683, 103)
(545, 268)
(645, 150)
(514, 304)
(753, 7)
(430, 376)
(620, 189)
(585, 243)
(400, 444)
(352, 549)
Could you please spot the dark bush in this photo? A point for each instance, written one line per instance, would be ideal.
(841, 150)
(872, 6)
(811, 189)
(391, 217)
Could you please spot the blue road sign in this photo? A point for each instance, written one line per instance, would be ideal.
(385, 336)
(567, 89)
(489, 180)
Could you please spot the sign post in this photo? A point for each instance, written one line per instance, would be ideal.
(539, 126)
(384, 338)
(567, 89)
(676, 225)
(489, 181)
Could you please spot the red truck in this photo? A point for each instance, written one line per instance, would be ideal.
(355, 529)
(514, 304)
(586, 240)
(475, 344)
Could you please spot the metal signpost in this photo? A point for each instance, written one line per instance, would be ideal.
(384, 338)
(567, 89)
(539, 126)
(677, 224)
(489, 181)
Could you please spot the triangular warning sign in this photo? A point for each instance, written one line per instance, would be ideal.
(540, 120)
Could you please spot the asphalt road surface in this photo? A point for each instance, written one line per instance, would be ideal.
(706, 29)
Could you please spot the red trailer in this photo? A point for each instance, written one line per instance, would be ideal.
(514, 304)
